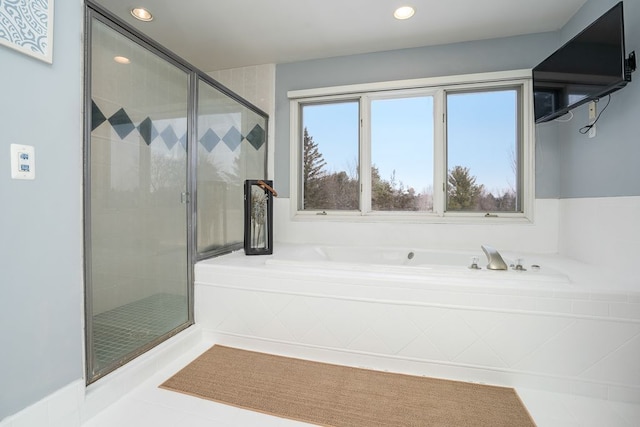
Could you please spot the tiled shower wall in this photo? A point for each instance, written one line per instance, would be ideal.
(135, 152)
(143, 152)
(136, 156)
(256, 84)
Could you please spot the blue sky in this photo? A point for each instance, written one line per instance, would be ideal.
(402, 140)
(481, 135)
(334, 127)
(481, 128)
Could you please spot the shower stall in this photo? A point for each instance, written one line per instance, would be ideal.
(167, 150)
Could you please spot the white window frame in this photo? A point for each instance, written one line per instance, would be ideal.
(438, 88)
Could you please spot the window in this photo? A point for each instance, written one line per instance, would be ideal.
(482, 150)
(330, 156)
(430, 148)
(402, 154)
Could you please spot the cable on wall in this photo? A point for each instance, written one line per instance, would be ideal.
(585, 129)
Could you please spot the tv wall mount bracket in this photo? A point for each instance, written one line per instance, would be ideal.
(630, 64)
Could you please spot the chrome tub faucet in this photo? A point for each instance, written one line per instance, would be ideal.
(493, 257)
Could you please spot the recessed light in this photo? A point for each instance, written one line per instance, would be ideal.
(404, 12)
(122, 59)
(142, 14)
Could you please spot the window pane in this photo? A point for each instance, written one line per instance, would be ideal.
(482, 151)
(402, 154)
(330, 156)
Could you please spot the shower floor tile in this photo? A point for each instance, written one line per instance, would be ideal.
(121, 331)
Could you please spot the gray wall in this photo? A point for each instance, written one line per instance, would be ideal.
(41, 220)
(461, 58)
(609, 164)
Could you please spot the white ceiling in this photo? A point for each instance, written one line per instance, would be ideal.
(215, 34)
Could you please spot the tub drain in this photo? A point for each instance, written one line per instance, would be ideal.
(410, 255)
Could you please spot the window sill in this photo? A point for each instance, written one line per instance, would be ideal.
(413, 218)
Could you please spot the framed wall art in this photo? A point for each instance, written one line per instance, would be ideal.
(27, 26)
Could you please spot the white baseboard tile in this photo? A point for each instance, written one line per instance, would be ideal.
(61, 408)
(76, 403)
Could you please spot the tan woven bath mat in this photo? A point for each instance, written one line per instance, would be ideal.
(333, 395)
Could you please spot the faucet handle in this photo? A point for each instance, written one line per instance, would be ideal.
(474, 263)
(519, 265)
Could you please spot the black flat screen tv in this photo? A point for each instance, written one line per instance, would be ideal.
(589, 66)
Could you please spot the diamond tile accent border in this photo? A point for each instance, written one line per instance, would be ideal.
(122, 124)
(256, 137)
(169, 137)
(209, 140)
(147, 129)
(97, 118)
(233, 138)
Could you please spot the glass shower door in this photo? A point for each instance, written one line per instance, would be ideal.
(136, 200)
(231, 147)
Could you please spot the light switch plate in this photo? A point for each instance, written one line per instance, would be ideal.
(23, 165)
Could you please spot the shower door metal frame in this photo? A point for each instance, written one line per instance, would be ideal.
(95, 11)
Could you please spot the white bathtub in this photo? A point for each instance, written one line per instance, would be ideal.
(422, 269)
(564, 326)
(421, 266)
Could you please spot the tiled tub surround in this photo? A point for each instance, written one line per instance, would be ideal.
(565, 332)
